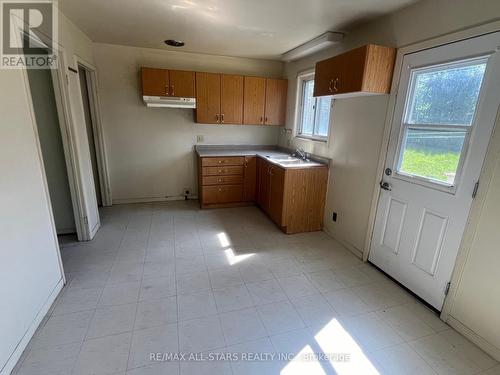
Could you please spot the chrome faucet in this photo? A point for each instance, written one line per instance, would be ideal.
(300, 152)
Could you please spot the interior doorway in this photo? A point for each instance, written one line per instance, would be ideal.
(49, 132)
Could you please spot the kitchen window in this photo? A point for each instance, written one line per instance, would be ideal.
(314, 113)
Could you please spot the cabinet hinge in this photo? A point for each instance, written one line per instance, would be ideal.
(447, 289)
(474, 192)
(86, 220)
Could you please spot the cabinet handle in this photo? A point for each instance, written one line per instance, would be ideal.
(173, 92)
(261, 119)
(220, 179)
(220, 190)
(271, 171)
(333, 85)
(220, 170)
(166, 91)
(220, 161)
(222, 118)
(265, 120)
(217, 118)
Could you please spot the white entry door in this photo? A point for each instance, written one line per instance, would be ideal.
(446, 105)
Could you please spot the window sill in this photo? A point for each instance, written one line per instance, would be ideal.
(313, 139)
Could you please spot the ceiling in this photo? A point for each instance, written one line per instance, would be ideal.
(248, 28)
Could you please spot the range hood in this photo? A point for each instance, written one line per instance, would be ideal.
(169, 102)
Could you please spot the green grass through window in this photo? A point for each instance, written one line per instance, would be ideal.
(439, 166)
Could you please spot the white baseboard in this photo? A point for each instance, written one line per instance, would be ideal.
(474, 337)
(23, 343)
(152, 199)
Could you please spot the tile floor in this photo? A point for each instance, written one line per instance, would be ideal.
(161, 278)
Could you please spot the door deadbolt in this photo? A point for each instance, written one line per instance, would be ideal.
(388, 171)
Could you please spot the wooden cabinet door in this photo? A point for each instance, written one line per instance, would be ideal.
(154, 82)
(181, 83)
(229, 193)
(250, 179)
(276, 190)
(352, 65)
(275, 111)
(263, 184)
(326, 76)
(231, 99)
(209, 194)
(254, 100)
(208, 98)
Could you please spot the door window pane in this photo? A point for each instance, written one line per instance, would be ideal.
(446, 95)
(433, 154)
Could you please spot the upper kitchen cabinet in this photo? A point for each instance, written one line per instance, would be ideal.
(219, 98)
(231, 99)
(155, 82)
(264, 101)
(364, 70)
(275, 110)
(182, 83)
(164, 82)
(254, 100)
(208, 98)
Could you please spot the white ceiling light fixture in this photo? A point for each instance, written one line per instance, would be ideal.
(319, 43)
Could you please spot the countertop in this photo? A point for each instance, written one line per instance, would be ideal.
(269, 153)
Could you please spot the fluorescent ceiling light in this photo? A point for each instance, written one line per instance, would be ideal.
(323, 41)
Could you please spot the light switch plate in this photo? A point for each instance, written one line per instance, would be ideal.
(200, 138)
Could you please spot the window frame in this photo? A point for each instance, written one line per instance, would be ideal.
(302, 78)
(405, 126)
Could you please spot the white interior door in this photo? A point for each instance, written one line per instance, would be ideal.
(446, 105)
(70, 108)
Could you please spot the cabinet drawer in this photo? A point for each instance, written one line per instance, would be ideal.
(222, 180)
(214, 162)
(220, 171)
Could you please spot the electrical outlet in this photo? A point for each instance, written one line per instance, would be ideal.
(200, 138)
(334, 216)
(187, 191)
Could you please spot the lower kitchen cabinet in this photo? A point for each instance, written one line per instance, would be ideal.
(250, 179)
(294, 198)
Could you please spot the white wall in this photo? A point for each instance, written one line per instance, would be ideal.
(30, 276)
(150, 150)
(358, 122)
(475, 301)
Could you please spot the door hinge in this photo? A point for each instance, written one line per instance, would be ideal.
(447, 288)
(86, 220)
(474, 192)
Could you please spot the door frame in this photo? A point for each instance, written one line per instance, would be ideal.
(95, 114)
(486, 173)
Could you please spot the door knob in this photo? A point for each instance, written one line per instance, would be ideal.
(385, 186)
